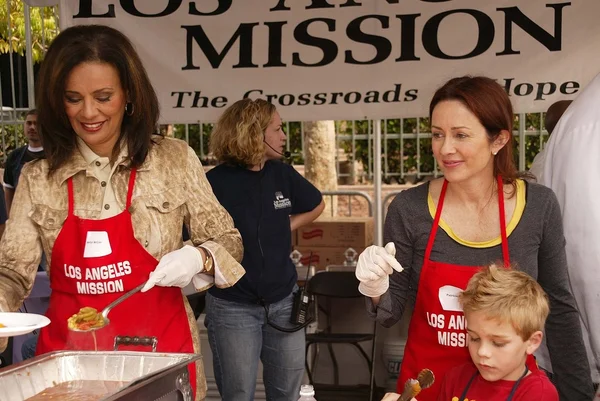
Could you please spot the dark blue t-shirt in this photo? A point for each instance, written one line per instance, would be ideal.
(260, 203)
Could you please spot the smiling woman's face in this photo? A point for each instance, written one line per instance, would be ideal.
(460, 143)
(95, 104)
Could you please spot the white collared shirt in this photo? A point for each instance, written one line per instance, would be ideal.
(101, 168)
(571, 169)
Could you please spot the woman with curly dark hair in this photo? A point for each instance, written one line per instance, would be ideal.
(108, 204)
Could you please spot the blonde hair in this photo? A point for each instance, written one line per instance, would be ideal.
(509, 296)
(238, 137)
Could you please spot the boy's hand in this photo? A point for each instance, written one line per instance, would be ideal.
(393, 397)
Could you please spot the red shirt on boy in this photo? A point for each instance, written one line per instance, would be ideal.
(534, 387)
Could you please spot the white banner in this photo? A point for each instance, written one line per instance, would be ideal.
(350, 59)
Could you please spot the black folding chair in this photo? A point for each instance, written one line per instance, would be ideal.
(327, 286)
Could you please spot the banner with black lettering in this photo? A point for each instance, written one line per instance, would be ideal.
(350, 59)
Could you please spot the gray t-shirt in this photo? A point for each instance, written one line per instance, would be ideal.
(536, 246)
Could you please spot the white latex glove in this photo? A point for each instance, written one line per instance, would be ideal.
(176, 269)
(374, 267)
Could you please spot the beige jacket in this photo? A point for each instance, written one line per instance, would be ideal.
(170, 189)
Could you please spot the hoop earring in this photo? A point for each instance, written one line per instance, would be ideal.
(129, 108)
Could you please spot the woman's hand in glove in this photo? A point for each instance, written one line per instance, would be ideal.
(374, 267)
(176, 269)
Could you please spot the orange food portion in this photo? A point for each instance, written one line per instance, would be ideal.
(87, 318)
(1, 325)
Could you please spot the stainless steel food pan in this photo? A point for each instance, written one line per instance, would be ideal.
(148, 376)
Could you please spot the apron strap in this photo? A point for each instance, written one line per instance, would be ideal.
(71, 197)
(436, 220)
(464, 393)
(513, 390)
(505, 254)
(130, 187)
(129, 192)
(438, 214)
(514, 387)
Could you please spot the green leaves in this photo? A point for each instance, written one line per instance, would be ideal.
(44, 29)
(12, 137)
(406, 144)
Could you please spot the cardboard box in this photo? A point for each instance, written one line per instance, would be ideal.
(324, 256)
(355, 232)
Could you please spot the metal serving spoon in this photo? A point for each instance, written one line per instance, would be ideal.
(107, 310)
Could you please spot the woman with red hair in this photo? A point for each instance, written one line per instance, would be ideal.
(480, 212)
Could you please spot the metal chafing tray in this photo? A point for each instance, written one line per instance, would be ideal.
(147, 375)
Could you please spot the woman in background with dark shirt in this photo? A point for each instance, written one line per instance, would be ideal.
(267, 199)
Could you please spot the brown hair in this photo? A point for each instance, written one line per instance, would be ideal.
(554, 113)
(238, 137)
(488, 101)
(31, 112)
(509, 296)
(96, 44)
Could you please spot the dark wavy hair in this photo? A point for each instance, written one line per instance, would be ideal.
(489, 102)
(98, 44)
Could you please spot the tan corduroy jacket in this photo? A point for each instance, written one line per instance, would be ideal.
(170, 189)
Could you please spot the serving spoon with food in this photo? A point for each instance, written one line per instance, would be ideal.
(413, 387)
(88, 319)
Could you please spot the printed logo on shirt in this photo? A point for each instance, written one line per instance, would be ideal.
(99, 280)
(450, 328)
(281, 202)
(96, 244)
(450, 324)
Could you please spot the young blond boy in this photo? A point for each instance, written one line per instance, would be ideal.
(505, 312)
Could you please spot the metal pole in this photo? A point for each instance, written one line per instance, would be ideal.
(369, 150)
(201, 139)
(29, 58)
(302, 153)
(377, 180)
(522, 139)
(10, 59)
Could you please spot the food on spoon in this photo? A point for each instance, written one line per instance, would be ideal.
(87, 318)
(411, 389)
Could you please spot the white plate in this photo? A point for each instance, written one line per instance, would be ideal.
(21, 323)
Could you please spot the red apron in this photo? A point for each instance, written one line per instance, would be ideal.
(437, 336)
(93, 263)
